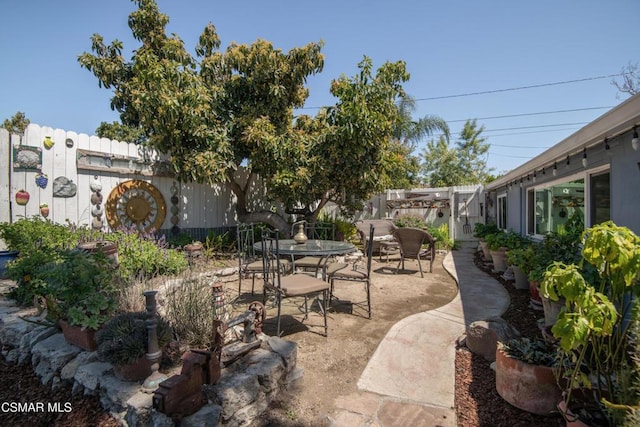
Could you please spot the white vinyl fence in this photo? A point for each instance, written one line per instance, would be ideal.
(87, 161)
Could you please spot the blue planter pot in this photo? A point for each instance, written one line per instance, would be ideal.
(6, 256)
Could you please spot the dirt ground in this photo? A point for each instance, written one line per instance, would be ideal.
(332, 365)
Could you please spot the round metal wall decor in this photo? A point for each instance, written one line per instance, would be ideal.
(136, 204)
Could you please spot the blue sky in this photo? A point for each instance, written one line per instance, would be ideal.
(451, 48)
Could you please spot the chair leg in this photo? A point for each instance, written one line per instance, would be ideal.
(324, 312)
(420, 266)
(253, 283)
(368, 285)
(279, 300)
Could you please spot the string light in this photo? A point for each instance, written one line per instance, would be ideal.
(584, 157)
(555, 169)
(568, 161)
(634, 139)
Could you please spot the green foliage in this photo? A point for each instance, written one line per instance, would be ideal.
(39, 241)
(523, 257)
(123, 339)
(409, 220)
(17, 124)
(143, 255)
(481, 230)
(441, 234)
(119, 132)
(218, 110)
(403, 167)
(446, 166)
(505, 239)
(216, 243)
(593, 329)
(79, 287)
(28, 234)
(532, 351)
(179, 240)
(342, 227)
(24, 271)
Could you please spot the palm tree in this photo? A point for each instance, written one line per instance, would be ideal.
(408, 131)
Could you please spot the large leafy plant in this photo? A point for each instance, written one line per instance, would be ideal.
(593, 327)
(80, 288)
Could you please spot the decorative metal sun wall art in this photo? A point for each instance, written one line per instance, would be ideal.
(136, 204)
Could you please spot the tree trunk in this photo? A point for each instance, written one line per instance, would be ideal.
(266, 216)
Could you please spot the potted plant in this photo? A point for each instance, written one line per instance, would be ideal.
(80, 290)
(521, 262)
(525, 375)
(480, 231)
(593, 330)
(122, 341)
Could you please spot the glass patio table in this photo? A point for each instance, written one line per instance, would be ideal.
(316, 248)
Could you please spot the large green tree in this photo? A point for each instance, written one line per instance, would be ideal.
(463, 164)
(219, 110)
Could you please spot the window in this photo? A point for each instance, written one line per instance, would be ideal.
(550, 206)
(502, 211)
(600, 198)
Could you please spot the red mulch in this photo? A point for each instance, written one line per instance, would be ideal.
(477, 402)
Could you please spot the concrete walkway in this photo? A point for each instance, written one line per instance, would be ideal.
(410, 379)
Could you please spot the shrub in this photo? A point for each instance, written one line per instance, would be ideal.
(481, 230)
(216, 243)
(143, 255)
(441, 234)
(189, 307)
(124, 338)
(409, 220)
(179, 240)
(28, 234)
(79, 287)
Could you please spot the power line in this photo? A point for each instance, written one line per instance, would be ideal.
(538, 126)
(532, 114)
(519, 88)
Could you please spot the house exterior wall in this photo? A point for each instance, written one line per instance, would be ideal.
(620, 160)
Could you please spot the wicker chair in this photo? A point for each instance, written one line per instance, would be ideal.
(411, 241)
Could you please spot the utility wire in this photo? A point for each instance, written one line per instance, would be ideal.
(519, 87)
(531, 114)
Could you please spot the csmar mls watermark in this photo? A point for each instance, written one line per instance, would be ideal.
(35, 407)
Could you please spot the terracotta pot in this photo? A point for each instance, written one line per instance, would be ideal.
(83, 338)
(485, 250)
(571, 419)
(535, 293)
(136, 371)
(499, 259)
(110, 249)
(532, 388)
